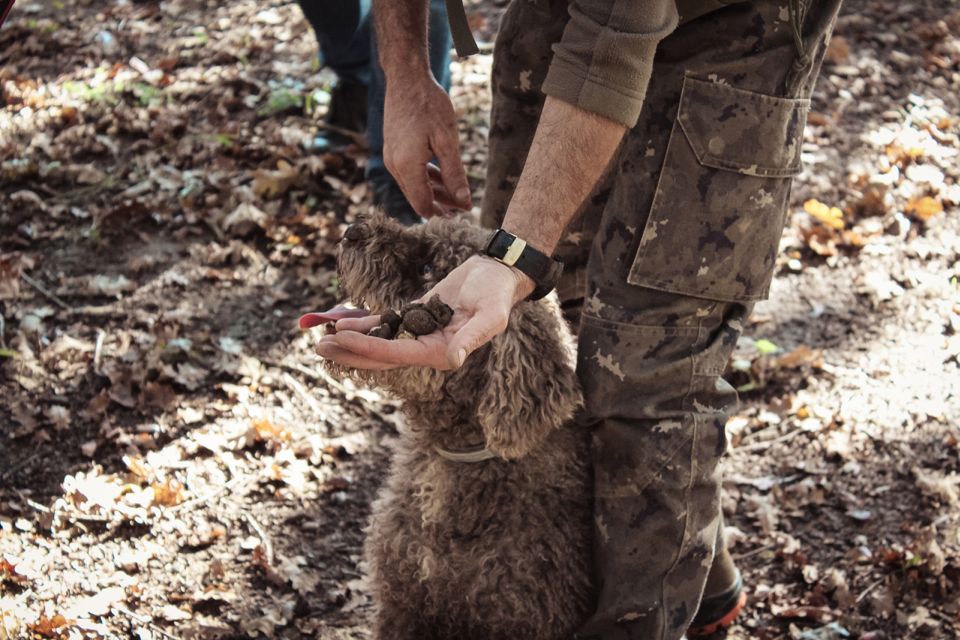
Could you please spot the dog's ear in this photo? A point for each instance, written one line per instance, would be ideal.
(530, 381)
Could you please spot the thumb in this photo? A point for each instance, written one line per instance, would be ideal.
(476, 332)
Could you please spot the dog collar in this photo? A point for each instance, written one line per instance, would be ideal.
(473, 454)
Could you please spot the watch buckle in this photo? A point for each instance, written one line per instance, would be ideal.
(513, 252)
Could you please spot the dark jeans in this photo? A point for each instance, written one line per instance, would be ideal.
(347, 45)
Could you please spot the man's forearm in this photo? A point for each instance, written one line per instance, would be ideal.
(402, 37)
(571, 150)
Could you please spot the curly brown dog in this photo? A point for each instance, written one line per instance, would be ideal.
(492, 549)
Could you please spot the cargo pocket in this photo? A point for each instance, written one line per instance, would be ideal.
(718, 211)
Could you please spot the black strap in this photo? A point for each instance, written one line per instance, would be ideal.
(5, 6)
(460, 29)
(542, 269)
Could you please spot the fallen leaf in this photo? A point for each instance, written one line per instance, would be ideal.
(923, 208)
(830, 216)
(157, 395)
(109, 285)
(244, 219)
(10, 269)
(172, 613)
(88, 174)
(766, 347)
(273, 184)
(938, 485)
(96, 605)
(168, 493)
(838, 51)
(8, 571)
(802, 355)
(266, 431)
(190, 376)
(59, 416)
(49, 627)
(93, 490)
(12, 614)
(832, 631)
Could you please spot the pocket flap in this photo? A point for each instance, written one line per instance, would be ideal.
(734, 129)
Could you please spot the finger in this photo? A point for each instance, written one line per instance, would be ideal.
(360, 325)
(447, 150)
(412, 178)
(420, 352)
(440, 193)
(336, 353)
(476, 332)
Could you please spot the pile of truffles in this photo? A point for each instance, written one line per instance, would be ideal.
(415, 319)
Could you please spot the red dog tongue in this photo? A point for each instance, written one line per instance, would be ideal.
(309, 320)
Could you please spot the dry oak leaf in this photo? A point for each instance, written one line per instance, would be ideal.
(8, 571)
(49, 627)
(923, 208)
(168, 493)
(273, 184)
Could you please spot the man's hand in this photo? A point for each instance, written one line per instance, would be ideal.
(419, 125)
(481, 291)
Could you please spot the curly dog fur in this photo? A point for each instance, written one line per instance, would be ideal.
(494, 550)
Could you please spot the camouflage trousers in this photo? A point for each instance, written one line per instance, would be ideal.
(664, 264)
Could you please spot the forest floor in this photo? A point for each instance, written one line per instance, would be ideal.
(173, 464)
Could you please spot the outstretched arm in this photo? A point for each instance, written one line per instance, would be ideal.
(570, 151)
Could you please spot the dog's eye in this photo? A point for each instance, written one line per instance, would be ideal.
(427, 269)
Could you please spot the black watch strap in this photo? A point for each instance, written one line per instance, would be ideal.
(514, 252)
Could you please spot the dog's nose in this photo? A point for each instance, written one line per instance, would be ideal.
(355, 232)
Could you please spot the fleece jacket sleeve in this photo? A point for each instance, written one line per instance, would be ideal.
(604, 59)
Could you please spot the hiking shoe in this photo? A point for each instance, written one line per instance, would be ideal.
(348, 107)
(387, 194)
(718, 611)
(346, 115)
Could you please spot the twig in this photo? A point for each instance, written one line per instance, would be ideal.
(754, 552)
(358, 139)
(98, 310)
(213, 494)
(18, 466)
(3, 330)
(323, 376)
(143, 620)
(871, 587)
(319, 374)
(36, 285)
(98, 349)
(264, 538)
(758, 446)
(38, 506)
(301, 391)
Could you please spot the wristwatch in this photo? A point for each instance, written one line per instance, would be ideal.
(514, 252)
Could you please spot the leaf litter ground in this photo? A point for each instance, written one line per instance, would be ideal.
(175, 465)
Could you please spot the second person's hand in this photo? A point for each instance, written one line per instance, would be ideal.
(419, 126)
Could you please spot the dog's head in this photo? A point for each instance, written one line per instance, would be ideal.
(517, 388)
(383, 265)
